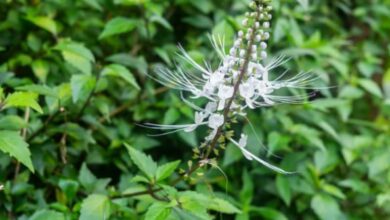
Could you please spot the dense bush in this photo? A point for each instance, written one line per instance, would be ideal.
(73, 87)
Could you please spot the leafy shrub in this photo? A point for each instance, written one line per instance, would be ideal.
(74, 86)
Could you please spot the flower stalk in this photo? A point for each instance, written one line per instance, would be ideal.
(241, 81)
(244, 69)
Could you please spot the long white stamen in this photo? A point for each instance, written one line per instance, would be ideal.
(263, 162)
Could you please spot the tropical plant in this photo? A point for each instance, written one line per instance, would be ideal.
(76, 93)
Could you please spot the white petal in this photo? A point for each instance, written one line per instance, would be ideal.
(211, 107)
(225, 92)
(216, 120)
(243, 140)
(264, 163)
(221, 105)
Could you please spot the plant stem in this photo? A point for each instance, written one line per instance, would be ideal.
(44, 126)
(236, 88)
(63, 149)
(140, 193)
(23, 133)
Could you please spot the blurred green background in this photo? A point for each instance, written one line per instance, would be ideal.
(93, 56)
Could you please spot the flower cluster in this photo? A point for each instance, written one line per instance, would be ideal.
(241, 81)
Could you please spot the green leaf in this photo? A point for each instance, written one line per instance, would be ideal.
(326, 207)
(310, 134)
(120, 71)
(12, 122)
(23, 99)
(138, 63)
(304, 3)
(69, 187)
(371, 87)
(166, 170)
(383, 199)
(143, 162)
(47, 214)
(94, 4)
(223, 206)
(86, 178)
(333, 190)
(284, 190)
(160, 20)
(232, 154)
(12, 143)
(187, 215)
(379, 165)
(39, 89)
(45, 22)
(199, 21)
(1, 94)
(89, 181)
(171, 116)
(351, 92)
(130, 2)
(77, 55)
(246, 193)
(356, 185)
(158, 211)
(41, 69)
(204, 6)
(117, 26)
(195, 203)
(269, 213)
(82, 86)
(95, 207)
(195, 200)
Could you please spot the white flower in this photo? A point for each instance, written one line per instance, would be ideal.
(255, 80)
(262, 87)
(216, 78)
(211, 107)
(263, 54)
(199, 117)
(263, 45)
(241, 145)
(247, 91)
(199, 120)
(216, 121)
(224, 92)
(208, 90)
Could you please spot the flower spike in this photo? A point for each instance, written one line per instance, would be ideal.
(244, 79)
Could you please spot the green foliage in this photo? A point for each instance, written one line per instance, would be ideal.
(117, 26)
(82, 86)
(120, 71)
(80, 66)
(76, 55)
(326, 207)
(158, 211)
(23, 99)
(44, 22)
(47, 214)
(143, 162)
(95, 207)
(12, 143)
(166, 170)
